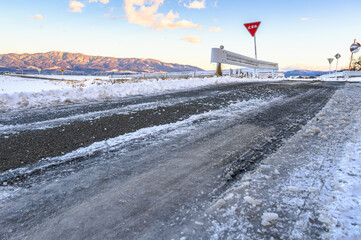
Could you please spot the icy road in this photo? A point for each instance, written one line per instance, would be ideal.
(163, 166)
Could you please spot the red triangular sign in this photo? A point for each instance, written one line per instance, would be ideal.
(252, 27)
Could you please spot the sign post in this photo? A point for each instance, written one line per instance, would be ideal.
(252, 29)
(337, 56)
(330, 60)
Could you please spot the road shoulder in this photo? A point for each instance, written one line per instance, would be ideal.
(308, 189)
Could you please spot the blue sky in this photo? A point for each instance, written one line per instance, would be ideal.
(294, 33)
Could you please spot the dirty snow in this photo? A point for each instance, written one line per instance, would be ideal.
(309, 189)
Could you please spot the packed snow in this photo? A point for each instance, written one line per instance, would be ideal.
(309, 189)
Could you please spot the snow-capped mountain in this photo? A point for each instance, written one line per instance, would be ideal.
(80, 63)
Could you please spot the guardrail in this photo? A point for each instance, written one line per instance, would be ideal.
(233, 72)
(344, 75)
(220, 55)
(244, 72)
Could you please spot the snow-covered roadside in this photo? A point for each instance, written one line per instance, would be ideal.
(342, 206)
(74, 77)
(309, 189)
(11, 85)
(318, 79)
(111, 91)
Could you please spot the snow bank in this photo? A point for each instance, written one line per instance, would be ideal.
(104, 92)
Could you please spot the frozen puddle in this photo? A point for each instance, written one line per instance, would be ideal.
(309, 189)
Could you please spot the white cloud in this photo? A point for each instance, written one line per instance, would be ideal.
(38, 17)
(102, 1)
(308, 19)
(196, 4)
(145, 13)
(192, 39)
(76, 6)
(215, 29)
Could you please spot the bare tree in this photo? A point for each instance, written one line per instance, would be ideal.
(356, 64)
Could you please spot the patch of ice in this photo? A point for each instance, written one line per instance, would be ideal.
(269, 218)
(229, 197)
(293, 189)
(217, 205)
(327, 219)
(313, 131)
(252, 201)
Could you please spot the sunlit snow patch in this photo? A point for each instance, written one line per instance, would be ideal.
(104, 92)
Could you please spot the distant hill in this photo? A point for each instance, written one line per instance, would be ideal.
(77, 63)
(304, 73)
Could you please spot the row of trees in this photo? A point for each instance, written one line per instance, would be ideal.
(356, 64)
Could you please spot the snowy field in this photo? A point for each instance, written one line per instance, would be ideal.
(11, 85)
(74, 77)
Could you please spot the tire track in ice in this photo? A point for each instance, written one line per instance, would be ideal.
(234, 112)
(41, 125)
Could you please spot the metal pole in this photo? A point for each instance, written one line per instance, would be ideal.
(255, 53)
(349, 67)
(219, 70)
(255, 46)
(329, 70)
(336, 64)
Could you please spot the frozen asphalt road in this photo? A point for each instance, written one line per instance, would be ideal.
(140, 168)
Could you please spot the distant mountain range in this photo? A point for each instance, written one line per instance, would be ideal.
(77, 63)
(304, 73)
